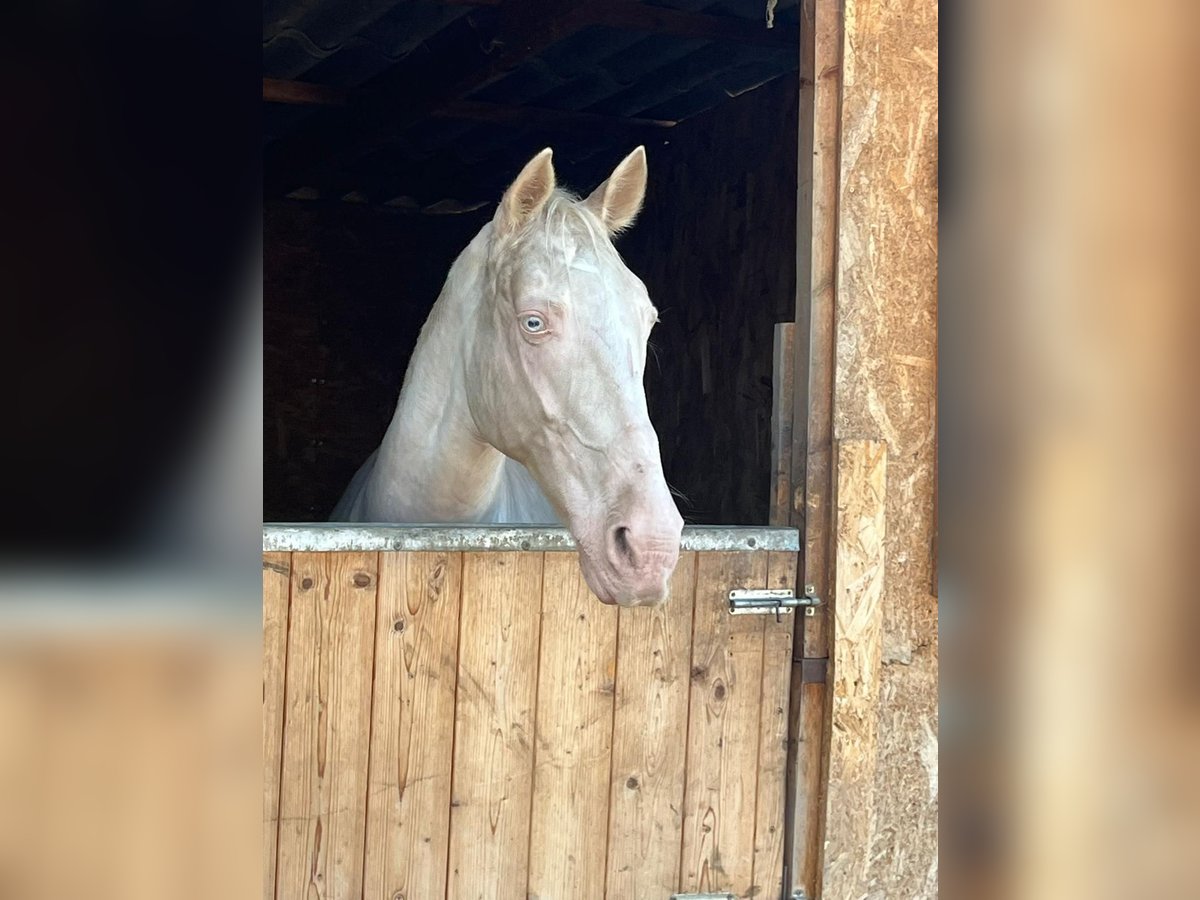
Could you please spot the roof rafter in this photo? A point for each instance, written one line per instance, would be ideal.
(636, 16)
(305, 93)
(369, 119)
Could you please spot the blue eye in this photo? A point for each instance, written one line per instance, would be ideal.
(533, 324)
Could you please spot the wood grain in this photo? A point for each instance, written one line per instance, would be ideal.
(412, 730)
(494, 726)
(773, 736)
(818, 183)
(823, 53)
(812, 699)
(886, 389)
(723, 728)
(858, 644)
(576, 684)
(322, 808)
(783, 395)
(276, 588)
(645, 830)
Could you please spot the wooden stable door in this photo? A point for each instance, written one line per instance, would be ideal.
(477, 725)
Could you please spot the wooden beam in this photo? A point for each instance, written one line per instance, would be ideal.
(302, 93)
(632, 15)
(820, 46)
(821, 83)
(306, 93)
(426, 179)
(724, 29)
(501, 114)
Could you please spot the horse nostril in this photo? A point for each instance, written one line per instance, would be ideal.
(620, 540)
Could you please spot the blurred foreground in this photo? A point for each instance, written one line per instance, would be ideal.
(1070, 529)
(130, 353)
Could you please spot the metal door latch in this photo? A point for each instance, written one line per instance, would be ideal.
(771, 602)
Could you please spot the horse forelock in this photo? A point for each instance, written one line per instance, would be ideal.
(564, 229)
(562, 223)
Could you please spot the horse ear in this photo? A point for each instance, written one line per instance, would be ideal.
(528, 194)
(617, 202)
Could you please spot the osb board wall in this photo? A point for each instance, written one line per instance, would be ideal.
(885, 389)
(347, 288)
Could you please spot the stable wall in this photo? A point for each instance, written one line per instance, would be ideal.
(347, 287)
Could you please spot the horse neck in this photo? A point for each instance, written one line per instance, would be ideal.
(432, 465)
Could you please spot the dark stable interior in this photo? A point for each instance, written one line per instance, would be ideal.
(388, 141)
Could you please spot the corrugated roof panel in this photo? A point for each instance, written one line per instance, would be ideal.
(648, 55)
(350, 43)
(412, 47)
(581, 92)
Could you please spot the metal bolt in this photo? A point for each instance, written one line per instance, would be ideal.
(810, 590)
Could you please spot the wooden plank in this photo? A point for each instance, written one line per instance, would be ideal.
(783, 388)
(412, 724)
(773, 737)
(573, 756)
(277, 571)
(857, 648)
(645, 830)
(323, 795)
(494, 726)
(723, 728)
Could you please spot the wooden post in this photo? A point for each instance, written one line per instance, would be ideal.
(857, 607)
(812, 432)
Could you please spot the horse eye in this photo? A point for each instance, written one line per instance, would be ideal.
(533, 324)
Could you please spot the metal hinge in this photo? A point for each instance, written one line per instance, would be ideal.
(771, 602)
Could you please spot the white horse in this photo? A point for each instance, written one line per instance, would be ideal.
(523, 402)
